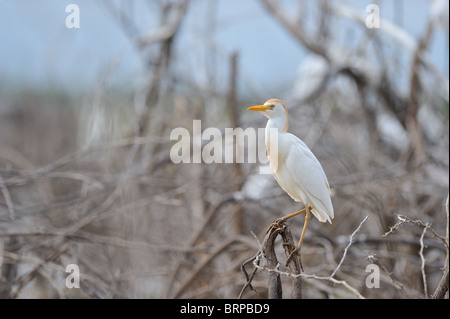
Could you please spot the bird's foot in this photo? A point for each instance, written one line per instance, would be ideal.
(290, 246)
(276, 224)
(279, 221)
(294, 253)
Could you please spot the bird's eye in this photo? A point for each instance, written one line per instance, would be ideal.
(272, 106)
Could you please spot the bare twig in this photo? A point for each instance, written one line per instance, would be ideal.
(293, 28)
(447, 231)
(350, 242)
(267, 254)
(26, 278)
(415, 88)
(166, 31)
(394, 280)
(248, 284)
(256, 258)
(422, 267)
(404, 219)
(275, 228)
(204, 262)
(306, 276)
(48, 263)
(232, 106)
(195, 236)
(8, 200)
(442, 288)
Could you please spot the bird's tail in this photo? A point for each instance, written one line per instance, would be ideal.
(322, 214)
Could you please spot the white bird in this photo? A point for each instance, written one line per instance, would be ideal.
(295, 167)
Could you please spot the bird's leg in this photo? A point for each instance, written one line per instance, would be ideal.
(297, 249)
(285, 218)
(293, 214)
(307, 218)
(279, 221)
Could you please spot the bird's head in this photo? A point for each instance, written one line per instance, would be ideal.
(273, 109)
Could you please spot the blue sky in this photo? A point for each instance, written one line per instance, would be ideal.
(37, 49)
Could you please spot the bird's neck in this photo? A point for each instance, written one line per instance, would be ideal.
(277, 125)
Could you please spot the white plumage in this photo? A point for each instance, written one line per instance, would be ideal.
(302, 177)
(294, 166)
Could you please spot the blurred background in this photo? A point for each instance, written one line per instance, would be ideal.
(85, 119)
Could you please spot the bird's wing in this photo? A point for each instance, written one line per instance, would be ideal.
(310, 178)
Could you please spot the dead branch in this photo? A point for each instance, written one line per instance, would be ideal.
(350, 242)
(307, 276)
(442, 288)
(415, 90)
(268, 246)
(8, 200)
(404, 219)
(422, 267)
(204, 262)
(167, 30)
(268, 254)
(26, 278)
(295, 265)
(248, 284)
(197, 233)
(232, 106)
(394, 280)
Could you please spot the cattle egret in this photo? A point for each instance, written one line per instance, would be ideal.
(295, 168)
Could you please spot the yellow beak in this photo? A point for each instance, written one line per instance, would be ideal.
(261, 107)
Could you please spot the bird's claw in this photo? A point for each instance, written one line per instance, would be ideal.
(295, 252)
(291, 255)
(278, 222)
(290, 246)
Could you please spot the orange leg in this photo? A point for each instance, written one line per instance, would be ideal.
(293, 214)
(305, 226)
(307, 218)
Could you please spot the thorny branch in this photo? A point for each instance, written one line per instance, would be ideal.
(307, 276)
(422, 267)
(267, 250)
(350, 242)
(406, 220)
(394, 280)
(273, 268)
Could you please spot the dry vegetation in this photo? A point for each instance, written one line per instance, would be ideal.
(138, 225)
